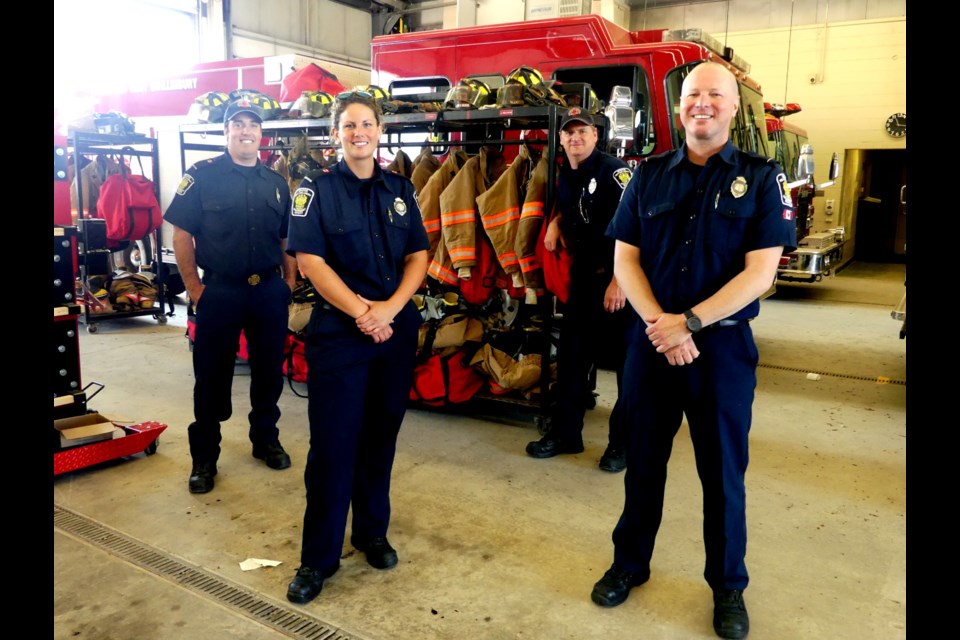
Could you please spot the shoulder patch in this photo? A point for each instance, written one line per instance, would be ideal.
(622, 177)
(302, 198)
(185, 183)
(785, 196)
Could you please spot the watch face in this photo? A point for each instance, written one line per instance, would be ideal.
(897, 125)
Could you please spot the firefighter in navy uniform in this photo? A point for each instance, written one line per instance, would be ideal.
(589, 187)
(358, 236)
(230, 216)
(699, 235)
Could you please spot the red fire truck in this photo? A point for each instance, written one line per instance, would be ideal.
(817, 253)
(637, 74)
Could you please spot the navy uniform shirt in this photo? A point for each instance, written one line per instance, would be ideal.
(238, 215)
(695, 225)
(363, 229)
(587, 197)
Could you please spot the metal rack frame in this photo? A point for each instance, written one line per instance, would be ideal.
(467, 125)
(82, 143)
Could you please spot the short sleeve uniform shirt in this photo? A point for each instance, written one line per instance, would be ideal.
(694, 225)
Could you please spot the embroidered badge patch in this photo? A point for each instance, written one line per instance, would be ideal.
(301, 202)
(785, 197)
(788, 214)
(185, 183)
(622, 176)
(738, 187)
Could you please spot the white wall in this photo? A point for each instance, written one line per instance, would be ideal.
(847, 77)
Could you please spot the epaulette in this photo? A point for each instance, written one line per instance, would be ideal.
(313, 174)
(197, 165)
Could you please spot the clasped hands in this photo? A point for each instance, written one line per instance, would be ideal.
(669, 334)
(376, 321)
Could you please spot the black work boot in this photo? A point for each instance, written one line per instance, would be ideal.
(730, 618)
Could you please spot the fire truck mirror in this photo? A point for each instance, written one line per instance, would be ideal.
(646, 140)
(835, 166)
(805, 163)
(620, 134)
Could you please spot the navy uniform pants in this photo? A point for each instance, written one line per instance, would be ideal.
(262, 313)
(358, 395)
(586, 325)
(716, 394)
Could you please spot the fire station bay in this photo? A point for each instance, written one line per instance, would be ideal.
(479, 320)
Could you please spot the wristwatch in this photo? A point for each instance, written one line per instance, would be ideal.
(693, 321)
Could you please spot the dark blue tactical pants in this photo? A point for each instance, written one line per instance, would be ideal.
(716, 393)
(358, 395)
(262, 313)
(585, 326)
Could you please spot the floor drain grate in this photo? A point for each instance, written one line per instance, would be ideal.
(878, 380)
(283, 619)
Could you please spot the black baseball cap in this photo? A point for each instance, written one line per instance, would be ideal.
(243, 105)
(576, 114)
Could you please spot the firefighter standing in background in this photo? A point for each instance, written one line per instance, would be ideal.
(699, 235)
(588, 190)
(358, 237)
(230, 217)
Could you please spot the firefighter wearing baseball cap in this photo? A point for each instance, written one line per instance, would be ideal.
(589, 186)
(230, 215)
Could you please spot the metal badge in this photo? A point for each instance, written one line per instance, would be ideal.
(400, 207)
(278, 195)
(592, 186)
(739, 187)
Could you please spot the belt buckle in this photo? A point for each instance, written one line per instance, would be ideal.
(254, 280)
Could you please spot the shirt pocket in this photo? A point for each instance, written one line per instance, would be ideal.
(223, 212)
(398, 229)
(277, 209)
(730, 224)
(654, 226)
(348, 244)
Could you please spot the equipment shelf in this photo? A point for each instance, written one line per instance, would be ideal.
(447, 128)
(90, 249)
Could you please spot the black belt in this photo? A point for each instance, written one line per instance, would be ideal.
(253, 279)
(726, 323)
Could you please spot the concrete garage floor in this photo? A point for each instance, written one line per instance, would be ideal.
(494, 544)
